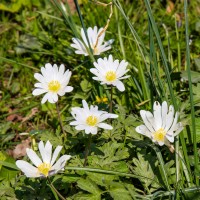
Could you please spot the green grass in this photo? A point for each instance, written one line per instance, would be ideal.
(163, 55)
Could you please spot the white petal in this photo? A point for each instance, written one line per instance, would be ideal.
(45, 98)
(119, 85)
(146, 122)
(61, 69)
(37, 92)
(174, 123)
(161, 143)
(170, 137)
(80, 127)
(106, 116)
(142, 129)
(85, 105)
(33, 157)
(55, 97)
(179, 127)
(55, 154)
(105, 126)
(169, 118)
(157, 115)
(27, 168)
(39, 77)
(93, 130)
(68, 89)
(164, 113)
(48, 152)
(60, 164)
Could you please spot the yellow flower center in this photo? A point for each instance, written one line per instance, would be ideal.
(54, 86)
(91, 120)
(44, 168)
(159, 135)
(111, 76)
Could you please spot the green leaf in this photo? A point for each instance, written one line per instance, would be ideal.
(89, 186)
(101, 179)
(7, 164)
(119, 192)
(86, 86)
(195, 76)
(6, 192)
(4, 127)
(144, 168)
(81, 196)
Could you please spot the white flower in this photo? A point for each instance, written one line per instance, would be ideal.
(43, 167)
(110, 72)
(97, 46)
(53, 81)
(161, 126)
(89, 119)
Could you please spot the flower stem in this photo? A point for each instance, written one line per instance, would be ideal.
(60, 120)
(52, 186)
(87, 150)
(111, 98)
(95, 170)
(162, 165)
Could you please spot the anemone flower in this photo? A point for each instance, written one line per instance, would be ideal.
(98, 46)
(161, 126)
(53, 81)
(89, 119)
(46, 166)
(110, 72)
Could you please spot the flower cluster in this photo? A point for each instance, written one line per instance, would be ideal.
(160, 126)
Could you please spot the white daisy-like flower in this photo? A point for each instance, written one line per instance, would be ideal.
(43, 167)
(97, 46)
(53, 81)
(161, 126)
(89, 119)
(110, 72)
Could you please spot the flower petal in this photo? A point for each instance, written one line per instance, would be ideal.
(105, 126)
(142, 129)
(33, 157)
(55, 154)
(157, 115)
(146, 121)
(28, 169)
(60, 164)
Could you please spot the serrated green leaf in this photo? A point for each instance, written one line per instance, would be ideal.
(101, 179)
(119, 192)
(89, 186)
(144, 168)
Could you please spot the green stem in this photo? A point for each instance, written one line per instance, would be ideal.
(60, 121)
(177, 160)
(111, 98)
(159, 155)
(196, 160)
(52, 186)
(87, 150)
(178, 46)
(110, 172)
